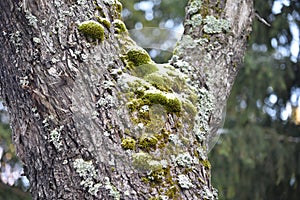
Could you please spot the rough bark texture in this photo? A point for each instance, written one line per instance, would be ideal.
(68, 106)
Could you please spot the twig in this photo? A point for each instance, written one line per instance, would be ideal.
(262, 20)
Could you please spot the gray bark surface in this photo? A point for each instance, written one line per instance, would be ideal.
(66, 104)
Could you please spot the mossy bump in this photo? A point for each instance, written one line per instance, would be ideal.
(138, 56)
(92, 29)
(119, 26)
(169, 100)
(128, 143)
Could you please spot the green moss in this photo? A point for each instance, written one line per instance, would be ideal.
(136, 57)
(92, 29)
(144, 69)
(148, 142)
(119, 26)
(160, 82)
(128, 143)
(104, 21)
(168, 100)
(136, 104)
(206, 164)
(119, 7)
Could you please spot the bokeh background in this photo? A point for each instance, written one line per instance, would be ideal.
(258, 154)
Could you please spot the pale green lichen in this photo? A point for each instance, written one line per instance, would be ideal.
(144, 69)
(24, 81)
(81, 2)
(208, 194)
(109, 2)
(92, 29)
(202, 121)
(36, 40)
(185, 160)
(128, 143)
(32, 20)
(184, 182)
(194, 7)
(144, 161)
(195, 21)
(87, 172)
(213, 25)
(113, 192)
(55, 137)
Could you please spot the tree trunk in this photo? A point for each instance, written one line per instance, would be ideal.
(93, 117)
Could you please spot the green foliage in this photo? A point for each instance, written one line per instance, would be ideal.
(8, 157)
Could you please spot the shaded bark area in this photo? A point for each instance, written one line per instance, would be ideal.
(65, 103)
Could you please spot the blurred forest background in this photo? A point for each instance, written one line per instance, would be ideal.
(258, 154)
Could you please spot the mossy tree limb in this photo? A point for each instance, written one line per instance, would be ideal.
(72, 100)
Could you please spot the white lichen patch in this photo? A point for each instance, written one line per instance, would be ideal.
(24, 81)
(113, 192)
(109, 2)
(15, 38)
(185, 160)
(36, 40)
(213, 25)
(184, 182)
(194, 7)
(105, 102)
(55, 137)
(32, 20)
(87, 172)
(208, 194)
(81, 2)
(195, 21)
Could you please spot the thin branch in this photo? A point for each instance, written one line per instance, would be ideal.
(262, 20)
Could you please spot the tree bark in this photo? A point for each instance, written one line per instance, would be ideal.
(83, 126)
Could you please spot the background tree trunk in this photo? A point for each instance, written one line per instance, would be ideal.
(69, 97)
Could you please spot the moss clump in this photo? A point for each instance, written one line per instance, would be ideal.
(168, 100)
(148, 142)
(144, 69)
(119, 6)
(136, 57)
(92, 29)
(128, 143)
(104, 21)
(119, 26)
